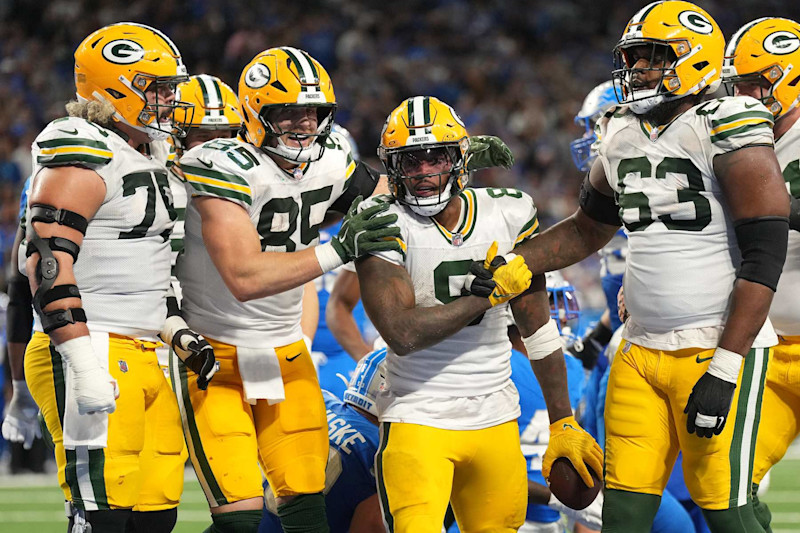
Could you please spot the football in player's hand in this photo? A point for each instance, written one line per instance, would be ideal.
(569, 488)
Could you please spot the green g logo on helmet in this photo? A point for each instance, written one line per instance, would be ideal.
(123, 51)
(781, 43)
(696, 22)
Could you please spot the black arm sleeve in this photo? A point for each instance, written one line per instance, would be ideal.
(763, 243)
(794, 214)
(363, 182)
(19, 320)
(597, 205)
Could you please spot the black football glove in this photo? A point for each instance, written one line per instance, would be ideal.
(197, 354)
(708, 406)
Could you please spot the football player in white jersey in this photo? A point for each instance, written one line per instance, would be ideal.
(252, 226)
(763, 61)
(448, 412)
(100, 192)
(214, 114)
(701, 194)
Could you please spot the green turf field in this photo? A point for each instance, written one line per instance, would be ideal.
(32, 504)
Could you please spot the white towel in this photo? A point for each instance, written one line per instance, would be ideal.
(261, 375)
(85, 430)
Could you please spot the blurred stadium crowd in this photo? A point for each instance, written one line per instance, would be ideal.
(518, 69)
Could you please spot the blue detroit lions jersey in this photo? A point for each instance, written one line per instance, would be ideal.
(354, 439)
(23, 199)
(534, 423)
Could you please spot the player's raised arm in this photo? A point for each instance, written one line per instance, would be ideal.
(575, 238)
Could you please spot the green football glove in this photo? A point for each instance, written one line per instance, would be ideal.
(488, 151)
(364, 232)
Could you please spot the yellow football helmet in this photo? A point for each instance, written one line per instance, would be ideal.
(214, 105)
(285, 77)
(690, 43)
(424, 128)
(767, 52)
(118, 63)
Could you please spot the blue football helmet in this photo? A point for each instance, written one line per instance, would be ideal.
(367, 381)
(598, 101)
(338, 128)
(564, 308)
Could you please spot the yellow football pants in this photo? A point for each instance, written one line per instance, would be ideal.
(780, 408)
(646, 426)
(142, 465)
(481, 472)
(228, 437)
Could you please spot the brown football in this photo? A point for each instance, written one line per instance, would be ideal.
(568, 486)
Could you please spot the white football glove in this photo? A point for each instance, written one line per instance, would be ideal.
(94, 388)
(21, 423)
(591, 517)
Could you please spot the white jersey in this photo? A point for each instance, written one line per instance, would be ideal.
(287, 213)
(682, 256)
(123, 268)
(785, 310)
(179, 200)
(474, 362)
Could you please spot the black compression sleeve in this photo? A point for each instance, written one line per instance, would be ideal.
(794, 214)
(597, 205)
(363, 182)
(763, 243)
(19, 320)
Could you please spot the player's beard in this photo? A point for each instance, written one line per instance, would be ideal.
(664, 113)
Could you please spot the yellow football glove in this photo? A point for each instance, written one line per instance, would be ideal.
(511, 278)
(568, 439)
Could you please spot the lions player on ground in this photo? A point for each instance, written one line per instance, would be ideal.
(351, 499)
(100, 191)
(701, 194)
(448, 414)
(763, 61)
(257, 203)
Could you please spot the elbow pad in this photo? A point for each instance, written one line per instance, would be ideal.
(597, 205)
(763, 243)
